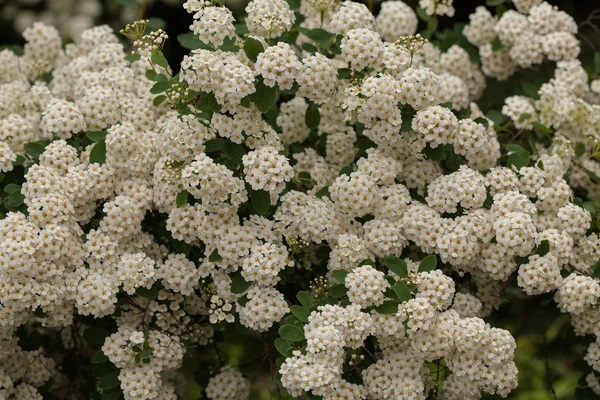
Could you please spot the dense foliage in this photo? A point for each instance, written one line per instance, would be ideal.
(318, 201)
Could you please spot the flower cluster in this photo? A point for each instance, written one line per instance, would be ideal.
(328, 180)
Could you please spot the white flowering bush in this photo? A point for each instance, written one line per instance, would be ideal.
(322, 188)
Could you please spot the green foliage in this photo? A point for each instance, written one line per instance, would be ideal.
(252, 48)
(397, 266)
(182, 198)
(98, 153)
(143, 352)
(261, 201)
(265, 96)
(428, 263)
(313, 116)
(291, 333)
(239, 284)
(214, 256)
(388, 307)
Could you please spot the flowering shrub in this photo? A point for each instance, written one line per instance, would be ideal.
(317, 182)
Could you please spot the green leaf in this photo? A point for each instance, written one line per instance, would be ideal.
(340, 275)
(541, 127)
(215, 256)
(514, 148)
(212, 145)
(597, 63)
(543, 248)
(191, 42)
(234, 151)
(14, 201)
(309, 47)
(95, 335)
(182, 198)
(11, 188)
(238, 284)
(283, 347)
(524, 117)
(40, 313)
(132, 57)
(158, 100)
(397, 266)
(497, 117)
(367, 261)
(493, 3)
(347, 170)
(99, 357)
(294, 4)
(160, 87)
(428, 263)
(252, 48)
(152, 75)
(407, 116)
(242, 301)
(320, 36)
(364, 143)
(436, 154)
(181, 247)
(229, 44)
(305, 299)
(15, 48)
(312, 118)
(452, 160)
(337, 291)
(300, 312)
(291, 333)
(402, 291)
(388, 307)
(497, 44)
(112, 394)
(304, 177)
(150, 294)
(159, 59)
(579, 149)
(530, 90)
(518, 159)
(261, 201)
(109, 381)
(212, 102)
(98, 153)
(482, 121)
(99, 370)
(265, 96)
(596, 270)
(35, 149)
(96, 136)
(344, 73)
(324, 192)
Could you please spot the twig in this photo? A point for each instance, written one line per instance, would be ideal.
(272, 368)
(143, 8)
(547, 370)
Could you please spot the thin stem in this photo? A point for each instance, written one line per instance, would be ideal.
(547, 369)
(143, 8)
